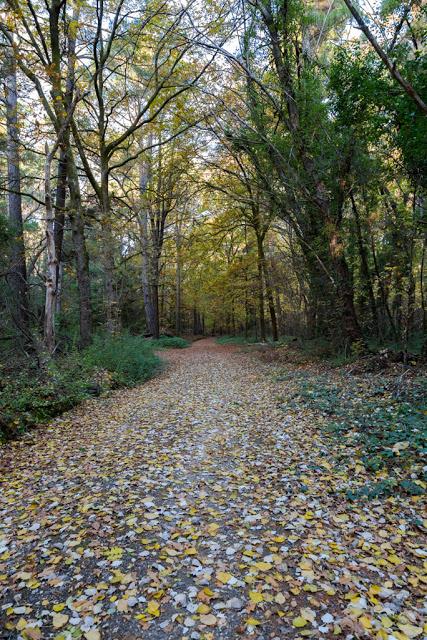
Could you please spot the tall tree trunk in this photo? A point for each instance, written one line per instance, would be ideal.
(178, 285)
(80, 252)
(17, 276)
(364, 266)
(263, 334)
(75, 210)
(383, 291)
(52, 263)
(83, 277)
(154, 288)
(111, 299)
(112, 308)
(422, 288)
(60, 196)
(268, 287)
(145, 244)
(345, 289)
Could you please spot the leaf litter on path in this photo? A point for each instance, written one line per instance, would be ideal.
(195, 507)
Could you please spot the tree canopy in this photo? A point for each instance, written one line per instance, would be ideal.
(256, 167)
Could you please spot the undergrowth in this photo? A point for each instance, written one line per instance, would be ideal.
(31, 395)
(382, 419)
(238, 340)
(169, 342)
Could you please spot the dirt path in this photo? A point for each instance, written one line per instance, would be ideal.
(194, 507)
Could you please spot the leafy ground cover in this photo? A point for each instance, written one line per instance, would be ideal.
(30, 396)
(196, 507)
(380, 419)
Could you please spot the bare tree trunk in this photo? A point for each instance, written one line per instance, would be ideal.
(68, 162)
(268, 288)
(382, 290)
(113, 323)
(52, 263)
(61, 188)
(422, 288)
(178, 327)
(345, 289)
(111, 299)
(364, 267)
(83, 276)
(263, 334)
(17, 276)
(154, 287)
(146, 276)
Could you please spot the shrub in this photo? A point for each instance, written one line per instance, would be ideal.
(130, 359)
(33, 396)
(169, 342)
(235, 340)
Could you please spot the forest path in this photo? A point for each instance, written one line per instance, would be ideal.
(194, 507)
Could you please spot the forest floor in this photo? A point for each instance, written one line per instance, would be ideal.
(199, 506)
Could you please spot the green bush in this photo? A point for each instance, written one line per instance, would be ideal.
(169, 342)
(130, 359)
(33, 396)
(235, 340)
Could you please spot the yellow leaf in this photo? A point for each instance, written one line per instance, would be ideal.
(32, 633)
(263, 566)
(375, 589)
(279, 538)
(299, 622)
(223, 576)
(253, 622)
(213, 528)
(256, 596)
(365, 622)
(59, 607)
(386, 622)
(22, 623)
(115, 553)
(153, 608)
(122, 606)
(203, 608)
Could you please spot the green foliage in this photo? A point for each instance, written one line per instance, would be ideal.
(4, 231)
(33, 396)
(130, 359)
(169, 342)
(369, 104)
(238, 340)
(387, 426)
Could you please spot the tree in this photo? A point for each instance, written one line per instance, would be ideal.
(17, 275)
